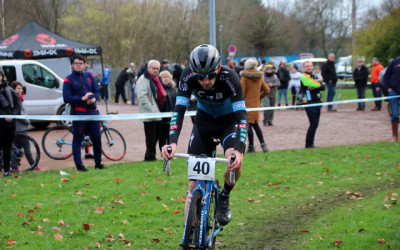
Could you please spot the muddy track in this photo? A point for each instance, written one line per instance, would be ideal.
(283, 230)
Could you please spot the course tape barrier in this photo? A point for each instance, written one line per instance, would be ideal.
(169, 114)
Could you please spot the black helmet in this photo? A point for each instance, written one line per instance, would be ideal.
(205, 59)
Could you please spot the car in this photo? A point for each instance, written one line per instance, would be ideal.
(43, 88)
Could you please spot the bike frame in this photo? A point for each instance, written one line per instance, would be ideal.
(205, 188)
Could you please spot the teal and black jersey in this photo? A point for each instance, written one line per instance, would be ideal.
(224, 101)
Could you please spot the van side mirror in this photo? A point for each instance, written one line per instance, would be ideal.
(56, 83)
(24, 89)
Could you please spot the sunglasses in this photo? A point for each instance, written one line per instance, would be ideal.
(208, 76)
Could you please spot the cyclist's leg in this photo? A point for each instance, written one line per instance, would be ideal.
(93, 130)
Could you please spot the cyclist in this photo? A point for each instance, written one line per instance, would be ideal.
(221, 114)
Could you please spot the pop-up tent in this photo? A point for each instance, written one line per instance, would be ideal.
(34, 41)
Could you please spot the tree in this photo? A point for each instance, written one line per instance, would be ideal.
(380, 39)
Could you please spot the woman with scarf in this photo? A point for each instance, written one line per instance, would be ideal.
(10, 104)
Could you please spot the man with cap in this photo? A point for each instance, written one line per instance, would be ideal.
(376, 86)
(360, 76)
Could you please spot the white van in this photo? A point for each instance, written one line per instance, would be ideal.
(43, 88)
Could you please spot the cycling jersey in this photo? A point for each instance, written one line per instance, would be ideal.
(224, 102)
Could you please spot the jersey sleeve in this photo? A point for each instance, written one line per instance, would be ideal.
(181, 104)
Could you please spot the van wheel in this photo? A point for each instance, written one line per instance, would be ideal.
(61, 111)
(40, 125)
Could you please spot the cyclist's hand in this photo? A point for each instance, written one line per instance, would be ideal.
(165, 154)
(238, 161)
(91, 101)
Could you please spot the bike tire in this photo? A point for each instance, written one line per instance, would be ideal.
(27, 156)
(57, 142)
(113, 144)
(212, 222)
(192, 227)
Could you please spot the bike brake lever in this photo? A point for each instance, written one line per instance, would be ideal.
(232, 174)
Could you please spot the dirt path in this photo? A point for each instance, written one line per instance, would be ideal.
(345, 127)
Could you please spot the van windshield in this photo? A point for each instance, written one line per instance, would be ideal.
(39, 76)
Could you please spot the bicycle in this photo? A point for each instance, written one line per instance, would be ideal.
(57, 142)
(202, 226)
(26, 158)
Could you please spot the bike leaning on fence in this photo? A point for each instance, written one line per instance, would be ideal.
(57, 142)
(25, 153)
(202, 226)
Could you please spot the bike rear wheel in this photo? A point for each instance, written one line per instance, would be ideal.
(57, 142)
(192, 227)
(25, 152)
(112, 144)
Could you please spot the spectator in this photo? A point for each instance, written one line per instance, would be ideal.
(254, 89)
(360, 76)
(284, 78)
(120, 85)
(376, 86)
(240, 68)
(164, 65)
(177, 73)
(310, 89)
(143, 69)
(229, 63)
(328, 72)
(80, 91)
(21, 127)
(132, 82)
(294, 84)
(262, 66)
(391, 81)
(10, 104)
(151, 96)
(105, 82)
(269, 101)
(170, 87)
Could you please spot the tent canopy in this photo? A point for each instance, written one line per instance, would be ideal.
(34, 41)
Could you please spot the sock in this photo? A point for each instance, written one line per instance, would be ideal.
(227, 189)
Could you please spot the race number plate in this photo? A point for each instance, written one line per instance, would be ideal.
(201, 168)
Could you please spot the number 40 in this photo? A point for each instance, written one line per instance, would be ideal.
(204, 168)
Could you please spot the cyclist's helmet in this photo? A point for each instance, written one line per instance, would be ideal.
(204, 59)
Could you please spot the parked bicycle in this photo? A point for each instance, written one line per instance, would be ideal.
(202, 226)
(57, 142)
(26, 157)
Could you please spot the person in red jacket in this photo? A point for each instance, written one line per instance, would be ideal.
(376, 86)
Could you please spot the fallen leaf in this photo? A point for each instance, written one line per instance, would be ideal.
(117, 180)
(381, 242)
(125, 222)
(319, 237)
(155, 241)
(97, 245)
(118, 196)
(158, 198)
(11, 242)
(250, 199)
(58, 237)
(121, 236)
(99, 210)
(42, 185)
(360, 230)
(46, 220)
(159, 180)
(86, 226)
(26, 223)
(165, 206)
(66, 180)
(56, 229)
(304, 230)
(37, 206)
(20, 214)
(79, 193)
(118, 202)
(13, 195)
(176, 211)
(61, 223)
(387, 206)
(242, 223)
(39, 228)
(386, 198)
(337, 242)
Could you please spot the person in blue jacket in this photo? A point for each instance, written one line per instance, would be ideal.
(391, 83)
(80, 89)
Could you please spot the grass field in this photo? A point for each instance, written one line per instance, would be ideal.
(295, 199)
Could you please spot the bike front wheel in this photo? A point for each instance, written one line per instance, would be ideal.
(212, 222)
(191, 237)
(113, 144)
(25, 152)
(57, 142)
